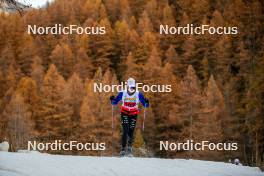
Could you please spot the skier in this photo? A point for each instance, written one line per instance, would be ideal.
(130, 99)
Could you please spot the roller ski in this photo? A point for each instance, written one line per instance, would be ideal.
(127, 153)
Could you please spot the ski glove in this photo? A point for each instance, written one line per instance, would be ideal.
(112, 98)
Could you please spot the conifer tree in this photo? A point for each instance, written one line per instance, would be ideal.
(132, 69)
(73, 95)
(144, 47)
(144, 24)
(2, 85)
(112, 9)
(125, 11)
(83, 67)
(87, 130)
(172, 57)
(195, 9)
(101, 108)
(153, 66)
(137, 7)
(188, 109)
(213, 118)
(53, 114)
(189, 53)
(26, 52)
(27, 89)
(123, 44)
(167, 19)
(62, 57)
(254, 121)
(103, 46)
(102, 12)
(46, 45)
(19, 124)
(219, 59)
(13, 75)
(37, 72)
(7, 57)
(152, 11)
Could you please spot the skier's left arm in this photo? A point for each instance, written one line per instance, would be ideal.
(143, 100)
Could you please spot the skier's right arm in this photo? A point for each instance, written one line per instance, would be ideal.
(115, 100)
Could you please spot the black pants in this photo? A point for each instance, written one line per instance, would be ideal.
(128, 125)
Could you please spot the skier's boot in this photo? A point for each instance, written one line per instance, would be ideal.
(129, 151)
(122, 153)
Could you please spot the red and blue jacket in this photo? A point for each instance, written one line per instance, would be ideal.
(130, 102)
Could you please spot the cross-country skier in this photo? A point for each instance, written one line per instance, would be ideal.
(130, 99)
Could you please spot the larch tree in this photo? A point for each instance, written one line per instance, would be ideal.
(2, 86)
(188, 57)
(219, 59)
(137, 7)
(195, 9)
(13, 75)
(37, 70)
(168, 19)
(152, 67)
(27, 89)
(172, 57)
(87, 127)
(102, 46)
(112, 9)
(144, 47)
(7, 57)
(123, 44)
(165, 125)
(125, 11)
(46, 45)
(188, 110)
(213, 118)
(73, 95)
(132, 69)
(53, 118)
(216, 20)
(100, 107)
(254, 116)
(19, 124)
(144, 24)
(26, 51)
(152, 11)
(83, 66)
(62, 57)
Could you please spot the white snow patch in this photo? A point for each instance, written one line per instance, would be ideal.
(31, 164)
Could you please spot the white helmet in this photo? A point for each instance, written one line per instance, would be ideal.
(131, 83)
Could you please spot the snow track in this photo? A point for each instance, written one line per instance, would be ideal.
(37, 164)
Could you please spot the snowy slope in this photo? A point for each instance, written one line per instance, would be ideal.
(36, 164)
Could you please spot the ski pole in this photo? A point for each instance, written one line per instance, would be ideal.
(143, 125)
(112, 118)
(112, 129)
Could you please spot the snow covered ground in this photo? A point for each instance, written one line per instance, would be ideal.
(37, 164)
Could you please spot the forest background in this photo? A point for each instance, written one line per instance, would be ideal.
(217, 80)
